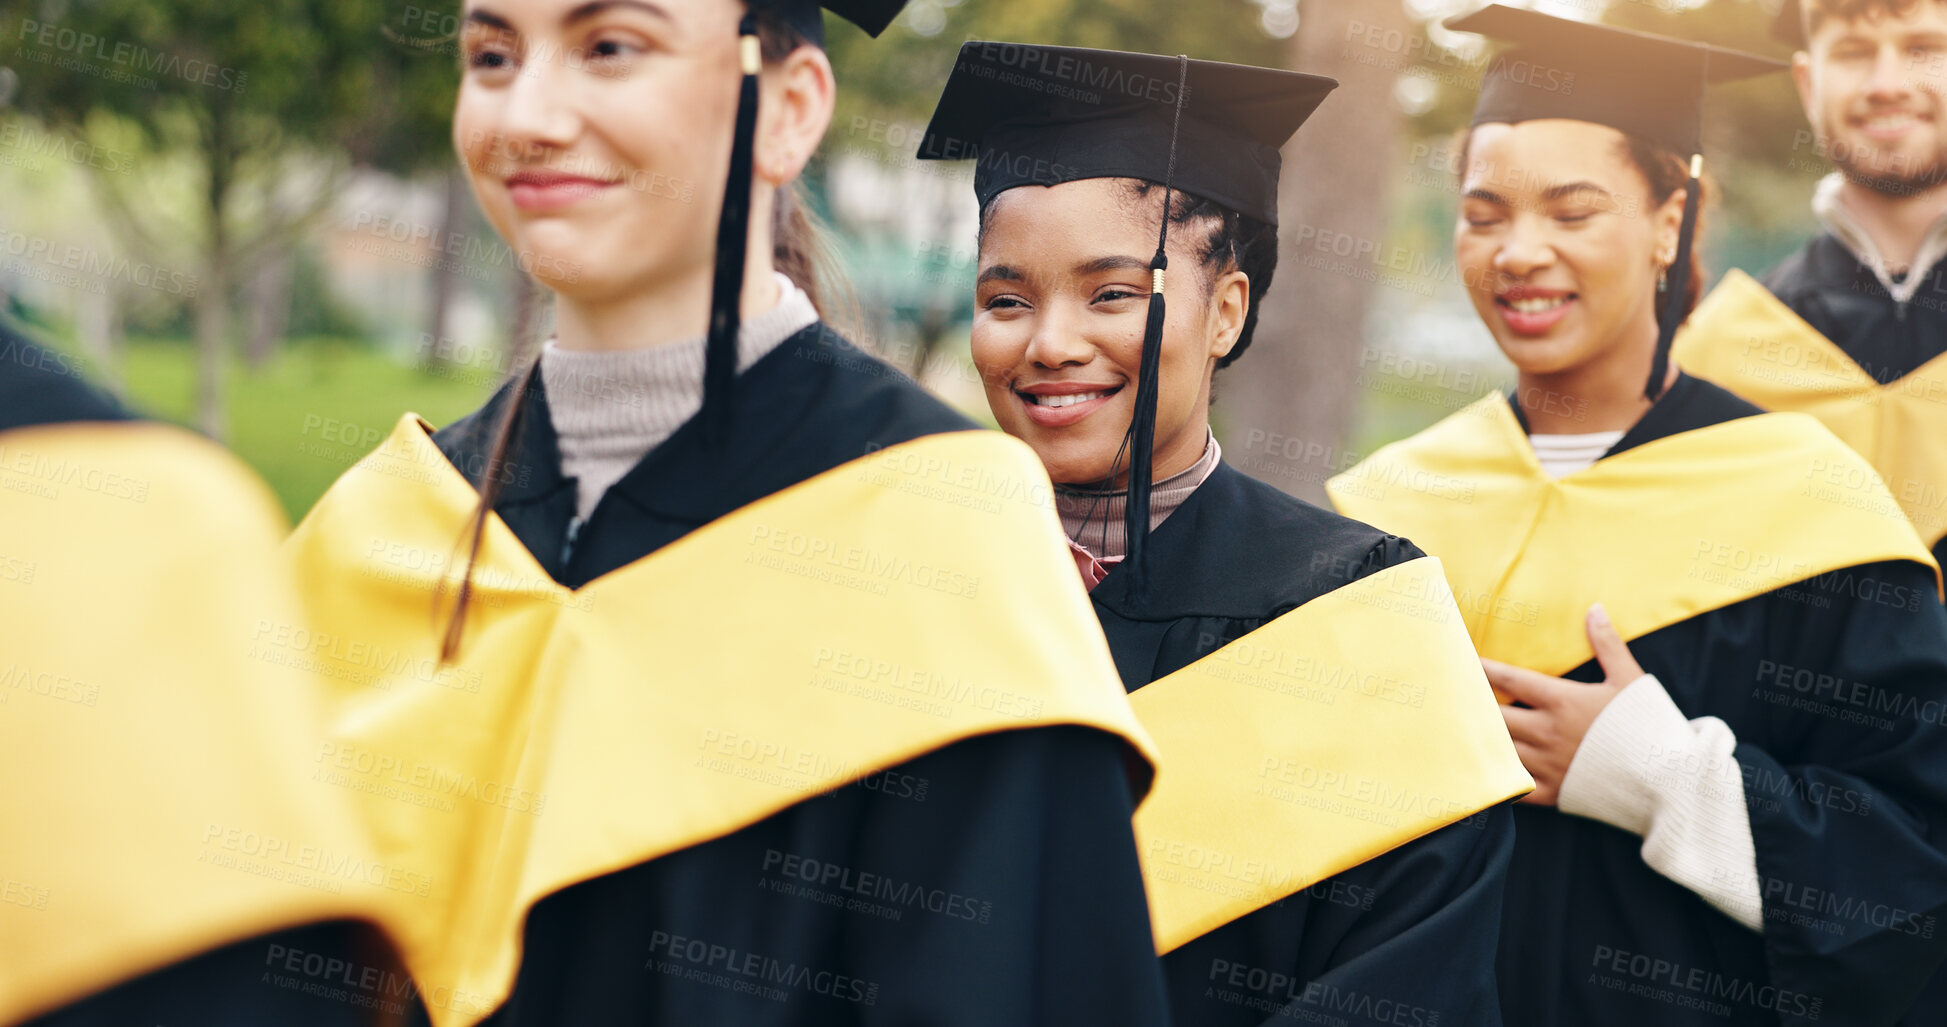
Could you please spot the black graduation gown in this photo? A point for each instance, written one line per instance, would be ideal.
(1845, 801)
(1032, 908)
(39, 386)
(1401, 939)
(1842, 298)
(228, 985)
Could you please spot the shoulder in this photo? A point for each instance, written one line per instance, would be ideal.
(1481, 445)
(1792, 273)
(1488, 422)
(861, 398)
(1705, 403)
(467, 440)
(1822, 263)
(1282, 551)
(43, 386)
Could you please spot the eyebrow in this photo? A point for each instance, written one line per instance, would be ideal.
(581, 12)
(1101, 264)
(1553, 192)
(1556, 192)
(482, 16)
(999, 273)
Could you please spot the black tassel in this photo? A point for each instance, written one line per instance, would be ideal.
(733, 242)
(1142, 423)
(1135, 513)
(1676, 298)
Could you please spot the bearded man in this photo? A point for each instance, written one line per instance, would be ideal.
(1852, 328)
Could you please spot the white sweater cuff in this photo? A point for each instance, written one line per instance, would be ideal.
(1646, 769)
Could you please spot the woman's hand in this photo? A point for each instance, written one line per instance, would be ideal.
(1556, 713)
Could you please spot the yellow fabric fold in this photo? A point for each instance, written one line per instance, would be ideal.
(1748, 341)
(1658, 534)
(1337, 732)
(158, 753)
(897, 604)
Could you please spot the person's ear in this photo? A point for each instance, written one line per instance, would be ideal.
(1230, 304)
(1669, 226)
(794, 109)
(1802, 77)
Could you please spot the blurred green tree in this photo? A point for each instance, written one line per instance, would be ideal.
(269, 103)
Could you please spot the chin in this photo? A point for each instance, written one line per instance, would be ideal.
(1073, 469)
(561, 274)
(1546, 356)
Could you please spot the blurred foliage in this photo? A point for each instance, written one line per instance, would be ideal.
(318, 311)
(242, 78)
(898, 76)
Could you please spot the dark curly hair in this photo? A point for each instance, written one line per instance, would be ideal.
(1231, 242)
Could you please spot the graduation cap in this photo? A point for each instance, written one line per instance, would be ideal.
(807, 16)
(733, 227)
(1648, 86)
(1044, 115)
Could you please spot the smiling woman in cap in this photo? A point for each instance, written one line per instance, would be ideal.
(766, 712)
(1325, 829)
(1658, 575)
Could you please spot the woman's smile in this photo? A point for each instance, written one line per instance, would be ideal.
(1059, 404)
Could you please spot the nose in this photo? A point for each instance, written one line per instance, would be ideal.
(1056, 342)
(1892, 74)
(541, 112)
(1525, 248)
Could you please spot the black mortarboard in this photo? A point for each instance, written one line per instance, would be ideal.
(1042, 115)
(1641, 84)
(1648, 86)
(733, 227)
(807, 16)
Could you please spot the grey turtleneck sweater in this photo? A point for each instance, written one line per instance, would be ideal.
(1093, 519)
(610, 408)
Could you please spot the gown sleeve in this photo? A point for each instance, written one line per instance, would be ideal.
(1356, 947)
(1647, 769)
(1436, 902)
(993, 881)
(1850, 818)
(1040, 844)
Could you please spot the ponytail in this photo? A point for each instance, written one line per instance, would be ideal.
(499, 455)
(803, 249)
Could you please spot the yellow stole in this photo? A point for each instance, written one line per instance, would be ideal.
(1745, 339)
(862, 618)
(158, 752)
(1658, 534)
(1337, 732)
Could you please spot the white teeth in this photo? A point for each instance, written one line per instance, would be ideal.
(1892, 121)
(1537, 304)
(1065, 401)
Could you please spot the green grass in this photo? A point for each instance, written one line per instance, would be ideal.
(311, 413)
